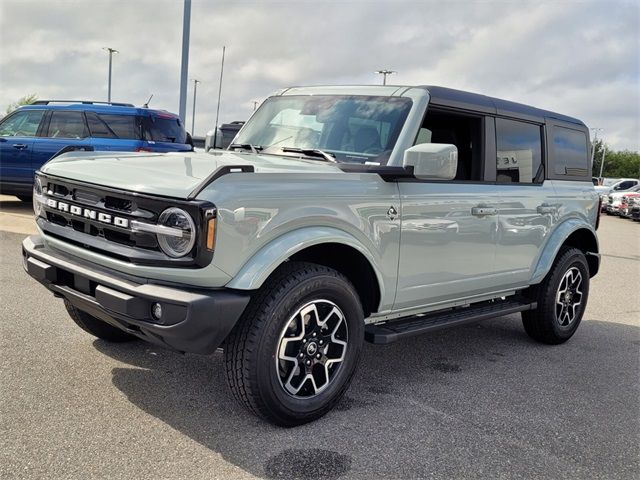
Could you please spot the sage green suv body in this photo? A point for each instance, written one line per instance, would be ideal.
(339, 213)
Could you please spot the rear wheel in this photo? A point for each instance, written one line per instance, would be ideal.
(97, 327)
(562, 299)
(294, 352)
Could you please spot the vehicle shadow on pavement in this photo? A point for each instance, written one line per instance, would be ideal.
(474, 402)
(13, 205)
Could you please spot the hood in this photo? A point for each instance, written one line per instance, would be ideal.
(175, 174)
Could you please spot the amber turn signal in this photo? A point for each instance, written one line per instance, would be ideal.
(211, 233)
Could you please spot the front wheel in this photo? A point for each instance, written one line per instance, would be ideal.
(562, 299)
(293, 354)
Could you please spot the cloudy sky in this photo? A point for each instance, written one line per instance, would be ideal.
(580, 58)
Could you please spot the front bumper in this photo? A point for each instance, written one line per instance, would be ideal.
(193, 320)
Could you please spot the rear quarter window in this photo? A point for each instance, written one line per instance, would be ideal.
(165, 129)
(571, 152)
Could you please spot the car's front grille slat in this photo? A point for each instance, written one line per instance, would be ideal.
(100, 219)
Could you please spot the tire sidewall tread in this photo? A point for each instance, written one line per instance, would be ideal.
(540, 324)
(251, 347)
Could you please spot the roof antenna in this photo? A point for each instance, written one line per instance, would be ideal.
(146, 105)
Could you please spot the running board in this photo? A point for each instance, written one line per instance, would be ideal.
(409, 326)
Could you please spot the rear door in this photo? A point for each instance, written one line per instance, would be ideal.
(527, 206)
(17, 132)
(63, 128)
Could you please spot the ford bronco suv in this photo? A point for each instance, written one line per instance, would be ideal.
(338, 215)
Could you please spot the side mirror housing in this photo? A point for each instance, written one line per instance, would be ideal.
(432, 161)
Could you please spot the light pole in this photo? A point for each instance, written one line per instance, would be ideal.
(193, 115)
(604, 149)
(215, 134)
(111, 52)
(184, 66)
(384, 74)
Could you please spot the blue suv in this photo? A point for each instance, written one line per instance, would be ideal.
(34, 133)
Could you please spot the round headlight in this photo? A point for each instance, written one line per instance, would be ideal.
(174, 245)
(37, 197)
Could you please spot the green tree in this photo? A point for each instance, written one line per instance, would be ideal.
(26, 100)
(617, 164)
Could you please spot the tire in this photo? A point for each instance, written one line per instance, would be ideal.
(97, 327)
(562, 298)
(273, 326)
(25, 198)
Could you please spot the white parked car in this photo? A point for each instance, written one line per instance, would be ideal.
(616, 185)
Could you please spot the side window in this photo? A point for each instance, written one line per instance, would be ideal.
(21, 124)
(67, 124)
(463, 131)
(98, 128)
(571, 152)
(114, 126)
(519, 151)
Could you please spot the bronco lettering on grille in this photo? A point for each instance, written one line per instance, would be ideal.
(87, 213)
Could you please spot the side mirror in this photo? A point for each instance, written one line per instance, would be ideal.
(432, 161)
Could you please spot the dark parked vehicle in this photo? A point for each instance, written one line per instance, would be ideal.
(34, 133)
(226, 133)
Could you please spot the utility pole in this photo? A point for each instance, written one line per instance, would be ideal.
(111, 52)
(604, 149)
(193, 115)
(184, 67)
(384, 74)
(215, 131)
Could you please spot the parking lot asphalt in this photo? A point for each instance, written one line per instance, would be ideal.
(481, 401)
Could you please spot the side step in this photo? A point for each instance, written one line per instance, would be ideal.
(409, 326)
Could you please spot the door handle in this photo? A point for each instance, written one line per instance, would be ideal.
(19, 146)
(482, 211)
(544, 208)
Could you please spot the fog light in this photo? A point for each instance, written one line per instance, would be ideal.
(156, 311)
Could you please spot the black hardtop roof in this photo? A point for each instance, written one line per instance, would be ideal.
(450, 97)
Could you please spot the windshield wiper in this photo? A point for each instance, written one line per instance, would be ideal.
(246, 146)
(311, 152)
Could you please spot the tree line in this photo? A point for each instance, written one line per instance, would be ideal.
(617, 164)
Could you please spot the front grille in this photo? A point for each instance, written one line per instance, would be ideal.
(99, 218)
(92, 203)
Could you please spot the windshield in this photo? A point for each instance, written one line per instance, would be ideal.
(353, 129)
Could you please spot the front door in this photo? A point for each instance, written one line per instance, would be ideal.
(448, 242)
(17, 133)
